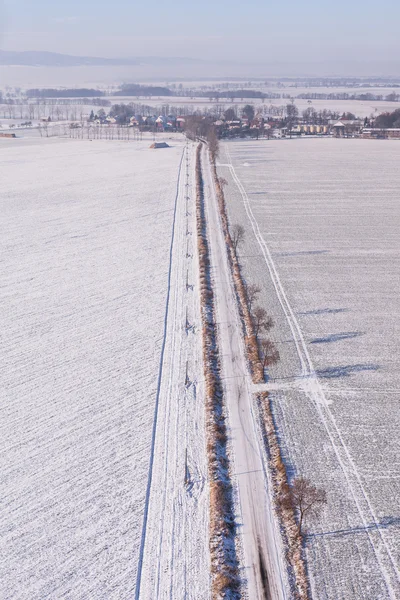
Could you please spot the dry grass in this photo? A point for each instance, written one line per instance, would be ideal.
(251, 344)
(224, 564)
(293, 540)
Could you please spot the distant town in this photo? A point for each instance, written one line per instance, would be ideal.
(257, 125)
(168, 109)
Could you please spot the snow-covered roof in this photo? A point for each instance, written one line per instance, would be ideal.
(345, 122)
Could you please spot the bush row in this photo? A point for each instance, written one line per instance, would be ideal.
(286, 512)
(224, 563)
(251, 344)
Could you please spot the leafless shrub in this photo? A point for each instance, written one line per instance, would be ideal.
(262, 322)
(237, 235)
(269, 353)
(284, 504)
(306, 499)
(253, 291)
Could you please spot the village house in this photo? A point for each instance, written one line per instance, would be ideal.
(161, 122)
(347, 127)
(136, 121)
(171, 123)
(376, 133)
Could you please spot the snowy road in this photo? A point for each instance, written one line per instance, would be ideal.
(264, 568)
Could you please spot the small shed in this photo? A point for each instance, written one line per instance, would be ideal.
(159, 145)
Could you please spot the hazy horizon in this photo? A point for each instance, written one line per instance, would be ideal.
(356, 38)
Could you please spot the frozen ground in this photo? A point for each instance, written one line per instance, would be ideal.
(322, 220)
(91, 234)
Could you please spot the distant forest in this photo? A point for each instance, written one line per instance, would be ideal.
(134, 89)
(148, 91)
(64, 93)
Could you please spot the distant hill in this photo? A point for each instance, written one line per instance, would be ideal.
(191, 67)
(53, 59)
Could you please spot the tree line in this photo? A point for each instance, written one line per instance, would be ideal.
(64, 93)
(388, 120)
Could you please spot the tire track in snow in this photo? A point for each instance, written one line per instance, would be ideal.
(189, 491)
(160, 373)
(175, 556)
(315, 393)
(172, 550)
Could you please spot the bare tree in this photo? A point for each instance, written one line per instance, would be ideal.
(306, 499)
(58, 112)
(237, 235)
(269, 132)
(252, 294)
(213, 143)
(248, 111)
(261, 320)
(310, 115)
(269, 352)
(222, 182)
(291, 117)
(230, 114)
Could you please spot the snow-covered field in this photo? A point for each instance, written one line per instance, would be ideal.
(92, 236)
(322, 222)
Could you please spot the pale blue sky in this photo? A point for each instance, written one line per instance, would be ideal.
(255, 30)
